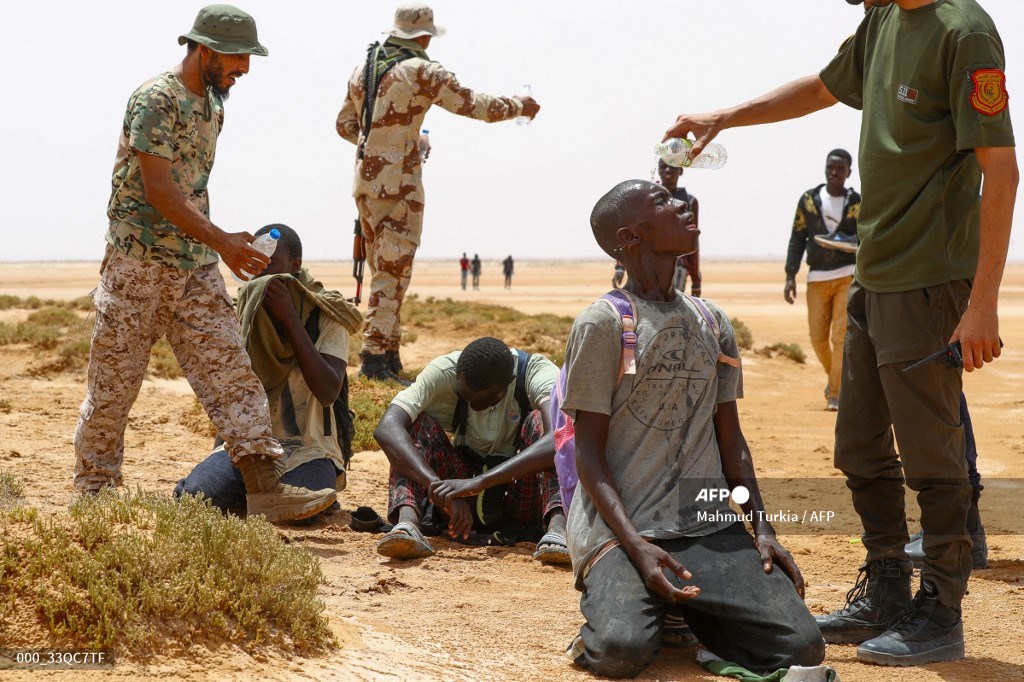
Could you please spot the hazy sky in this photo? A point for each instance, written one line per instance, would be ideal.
(610, 77)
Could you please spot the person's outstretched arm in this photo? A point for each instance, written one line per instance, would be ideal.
(465, 102)
(978, 330)
(793, 100)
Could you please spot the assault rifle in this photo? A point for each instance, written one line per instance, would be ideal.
(358, 260)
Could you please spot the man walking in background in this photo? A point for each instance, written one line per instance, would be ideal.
(474, 268)
(507, 267)
(464, 269)
(385, 103)
(159, 275)
(828, 210)
(929, 77)
(690, 263)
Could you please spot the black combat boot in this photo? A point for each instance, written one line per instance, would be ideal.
(927, 631)
(979, 543)
(881, 592)
(394, 361)
(376, 367)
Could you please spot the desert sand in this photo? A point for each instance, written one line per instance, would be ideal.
(493, 613)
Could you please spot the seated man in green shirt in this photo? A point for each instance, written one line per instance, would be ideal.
(498, 474)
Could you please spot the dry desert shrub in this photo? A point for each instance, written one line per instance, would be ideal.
(133, 572)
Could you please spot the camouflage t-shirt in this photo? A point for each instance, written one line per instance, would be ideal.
(165, 119)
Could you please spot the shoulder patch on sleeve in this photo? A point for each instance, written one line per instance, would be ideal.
(989, 96)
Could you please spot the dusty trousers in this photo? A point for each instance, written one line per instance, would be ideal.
(138, 302)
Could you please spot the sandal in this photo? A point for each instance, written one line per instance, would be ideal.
(405, 541)
(552, 549)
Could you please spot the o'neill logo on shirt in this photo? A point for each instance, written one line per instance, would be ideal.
(906, 94)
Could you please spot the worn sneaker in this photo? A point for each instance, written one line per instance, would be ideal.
(838, 241)
(832, 405)
(881, 592)
(927, 631)
(575, 651)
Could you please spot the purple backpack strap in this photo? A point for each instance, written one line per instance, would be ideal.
(622, 304)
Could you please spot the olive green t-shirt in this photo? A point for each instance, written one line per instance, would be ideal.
(164, 119)
(930, 84)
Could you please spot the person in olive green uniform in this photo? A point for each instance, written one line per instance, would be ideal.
(929, 77)
(159, 275)
(384, 123)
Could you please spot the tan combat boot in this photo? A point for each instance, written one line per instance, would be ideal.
(267, 496)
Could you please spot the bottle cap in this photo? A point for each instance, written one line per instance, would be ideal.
(425, 131)
(275, 233)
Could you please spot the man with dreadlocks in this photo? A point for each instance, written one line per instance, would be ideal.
(498, 475)
(386, 101)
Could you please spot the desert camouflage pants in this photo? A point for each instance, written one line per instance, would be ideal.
(137, 303)
(392, 229)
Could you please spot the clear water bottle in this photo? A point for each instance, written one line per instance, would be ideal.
(424, 144)
(265, 244)
(676, 152)
(527, 91)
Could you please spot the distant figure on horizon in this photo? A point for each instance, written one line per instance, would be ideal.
(384, 122)
(690, 263)
(828, 210)
(464, 269)
(507, 267)
(475, 269)
(620, 274)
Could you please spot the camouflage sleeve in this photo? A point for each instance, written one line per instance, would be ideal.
(447, 93)
(150, 123)
(347, 124)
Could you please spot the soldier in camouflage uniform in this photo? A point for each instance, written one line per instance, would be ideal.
(388, 189)
(159, 275)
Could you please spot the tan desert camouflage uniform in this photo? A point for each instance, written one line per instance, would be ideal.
(388, 185)
(164, 119)
(157, 281)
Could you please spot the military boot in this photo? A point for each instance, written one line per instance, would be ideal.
(266, 496)
(394, 361)
(881, 592)
(927, 631)
(979, 543)
(377, 367)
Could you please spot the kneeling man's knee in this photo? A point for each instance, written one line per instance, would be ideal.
(620, 651)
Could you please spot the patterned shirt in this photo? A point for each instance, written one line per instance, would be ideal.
(165, 119)
(390, 166)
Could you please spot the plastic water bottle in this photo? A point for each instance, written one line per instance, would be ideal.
(265, 244)
(424, 144)
(527, 91)
(676, 152)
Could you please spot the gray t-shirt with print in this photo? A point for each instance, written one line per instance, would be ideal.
(661, 450)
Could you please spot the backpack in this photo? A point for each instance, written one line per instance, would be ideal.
(343, 416)
(562, 424)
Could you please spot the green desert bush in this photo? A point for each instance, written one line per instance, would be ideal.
(791, 351)
(744, 338)
(130, 571)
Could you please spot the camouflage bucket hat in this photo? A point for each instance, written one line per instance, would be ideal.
(225, 29)
(413, 20)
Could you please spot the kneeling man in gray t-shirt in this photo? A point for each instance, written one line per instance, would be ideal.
(651, 440)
